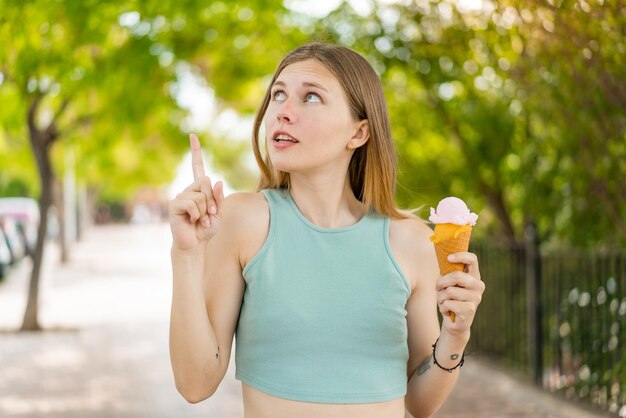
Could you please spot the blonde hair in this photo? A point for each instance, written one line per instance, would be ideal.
(372, 169)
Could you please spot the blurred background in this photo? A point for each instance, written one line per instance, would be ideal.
(518, 107)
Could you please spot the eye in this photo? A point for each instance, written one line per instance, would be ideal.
(278, 95)
(313, 98)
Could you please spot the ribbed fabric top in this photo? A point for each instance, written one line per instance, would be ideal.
(323, 317)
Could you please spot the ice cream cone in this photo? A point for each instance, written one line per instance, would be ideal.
(448, 239)
(453, 229)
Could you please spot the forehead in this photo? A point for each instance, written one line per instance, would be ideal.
(308, 70)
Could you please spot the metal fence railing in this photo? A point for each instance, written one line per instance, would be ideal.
(559, 317)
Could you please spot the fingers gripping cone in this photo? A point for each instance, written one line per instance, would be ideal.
(453, 230)
(449, 239)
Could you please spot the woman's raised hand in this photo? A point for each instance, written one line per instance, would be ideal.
(195, 214)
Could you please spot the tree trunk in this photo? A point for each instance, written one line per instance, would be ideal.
(31, 315)
(493, 192)
(41, 142)
(495, 199)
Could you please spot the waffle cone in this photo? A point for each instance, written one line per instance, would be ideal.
(450, 239)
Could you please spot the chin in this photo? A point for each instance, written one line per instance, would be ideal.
(285, 168)
(282, 164)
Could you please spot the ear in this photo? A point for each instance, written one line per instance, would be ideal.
(361, 135)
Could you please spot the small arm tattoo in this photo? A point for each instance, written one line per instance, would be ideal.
(423, 368)
(218, 352)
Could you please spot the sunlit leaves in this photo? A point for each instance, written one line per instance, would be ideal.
(516, 106)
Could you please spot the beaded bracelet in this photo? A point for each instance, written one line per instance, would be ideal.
(445, 368)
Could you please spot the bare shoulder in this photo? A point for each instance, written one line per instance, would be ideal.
(410, 231)
(245, 207)
(415, 253)
(246, 221)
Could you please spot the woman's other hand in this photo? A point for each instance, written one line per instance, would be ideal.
(460, 292)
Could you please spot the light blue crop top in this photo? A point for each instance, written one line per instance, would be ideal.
(323, 317)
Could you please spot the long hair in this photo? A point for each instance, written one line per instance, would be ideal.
(372, 169)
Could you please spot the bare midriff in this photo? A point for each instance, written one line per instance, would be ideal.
(259, 404)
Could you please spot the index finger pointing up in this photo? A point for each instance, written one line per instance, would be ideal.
(197, 165)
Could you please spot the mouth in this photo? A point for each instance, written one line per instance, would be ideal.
(284, 137)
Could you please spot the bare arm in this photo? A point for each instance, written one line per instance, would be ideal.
(207, 284)
(429, 385)
(192, 337)
(206, 299)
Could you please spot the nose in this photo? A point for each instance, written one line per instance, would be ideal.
(286, 112)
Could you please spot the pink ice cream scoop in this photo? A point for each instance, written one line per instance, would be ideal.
(452, 210)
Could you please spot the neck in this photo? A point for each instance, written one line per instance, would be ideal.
(325, 202)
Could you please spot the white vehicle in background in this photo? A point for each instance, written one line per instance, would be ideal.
(15, 238)
(5, 255)
(24, 212)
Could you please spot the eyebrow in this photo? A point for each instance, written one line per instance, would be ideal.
(305, 84)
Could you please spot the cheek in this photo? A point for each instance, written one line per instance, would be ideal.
(267, 117)
(268, 120)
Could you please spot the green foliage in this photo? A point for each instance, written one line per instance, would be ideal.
(103, 89)
(574, 81)
(108, 72)
(519, 110)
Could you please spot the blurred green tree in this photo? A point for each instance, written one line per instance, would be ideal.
(571, 75)
(67, 71)
(516, 106)
(99, 80)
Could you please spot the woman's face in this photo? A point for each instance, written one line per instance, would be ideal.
(308, 124)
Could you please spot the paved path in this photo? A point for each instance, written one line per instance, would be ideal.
(106, 353)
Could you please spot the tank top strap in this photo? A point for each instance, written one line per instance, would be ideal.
(277, 200)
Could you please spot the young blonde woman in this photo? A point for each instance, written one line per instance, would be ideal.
(331, 291)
